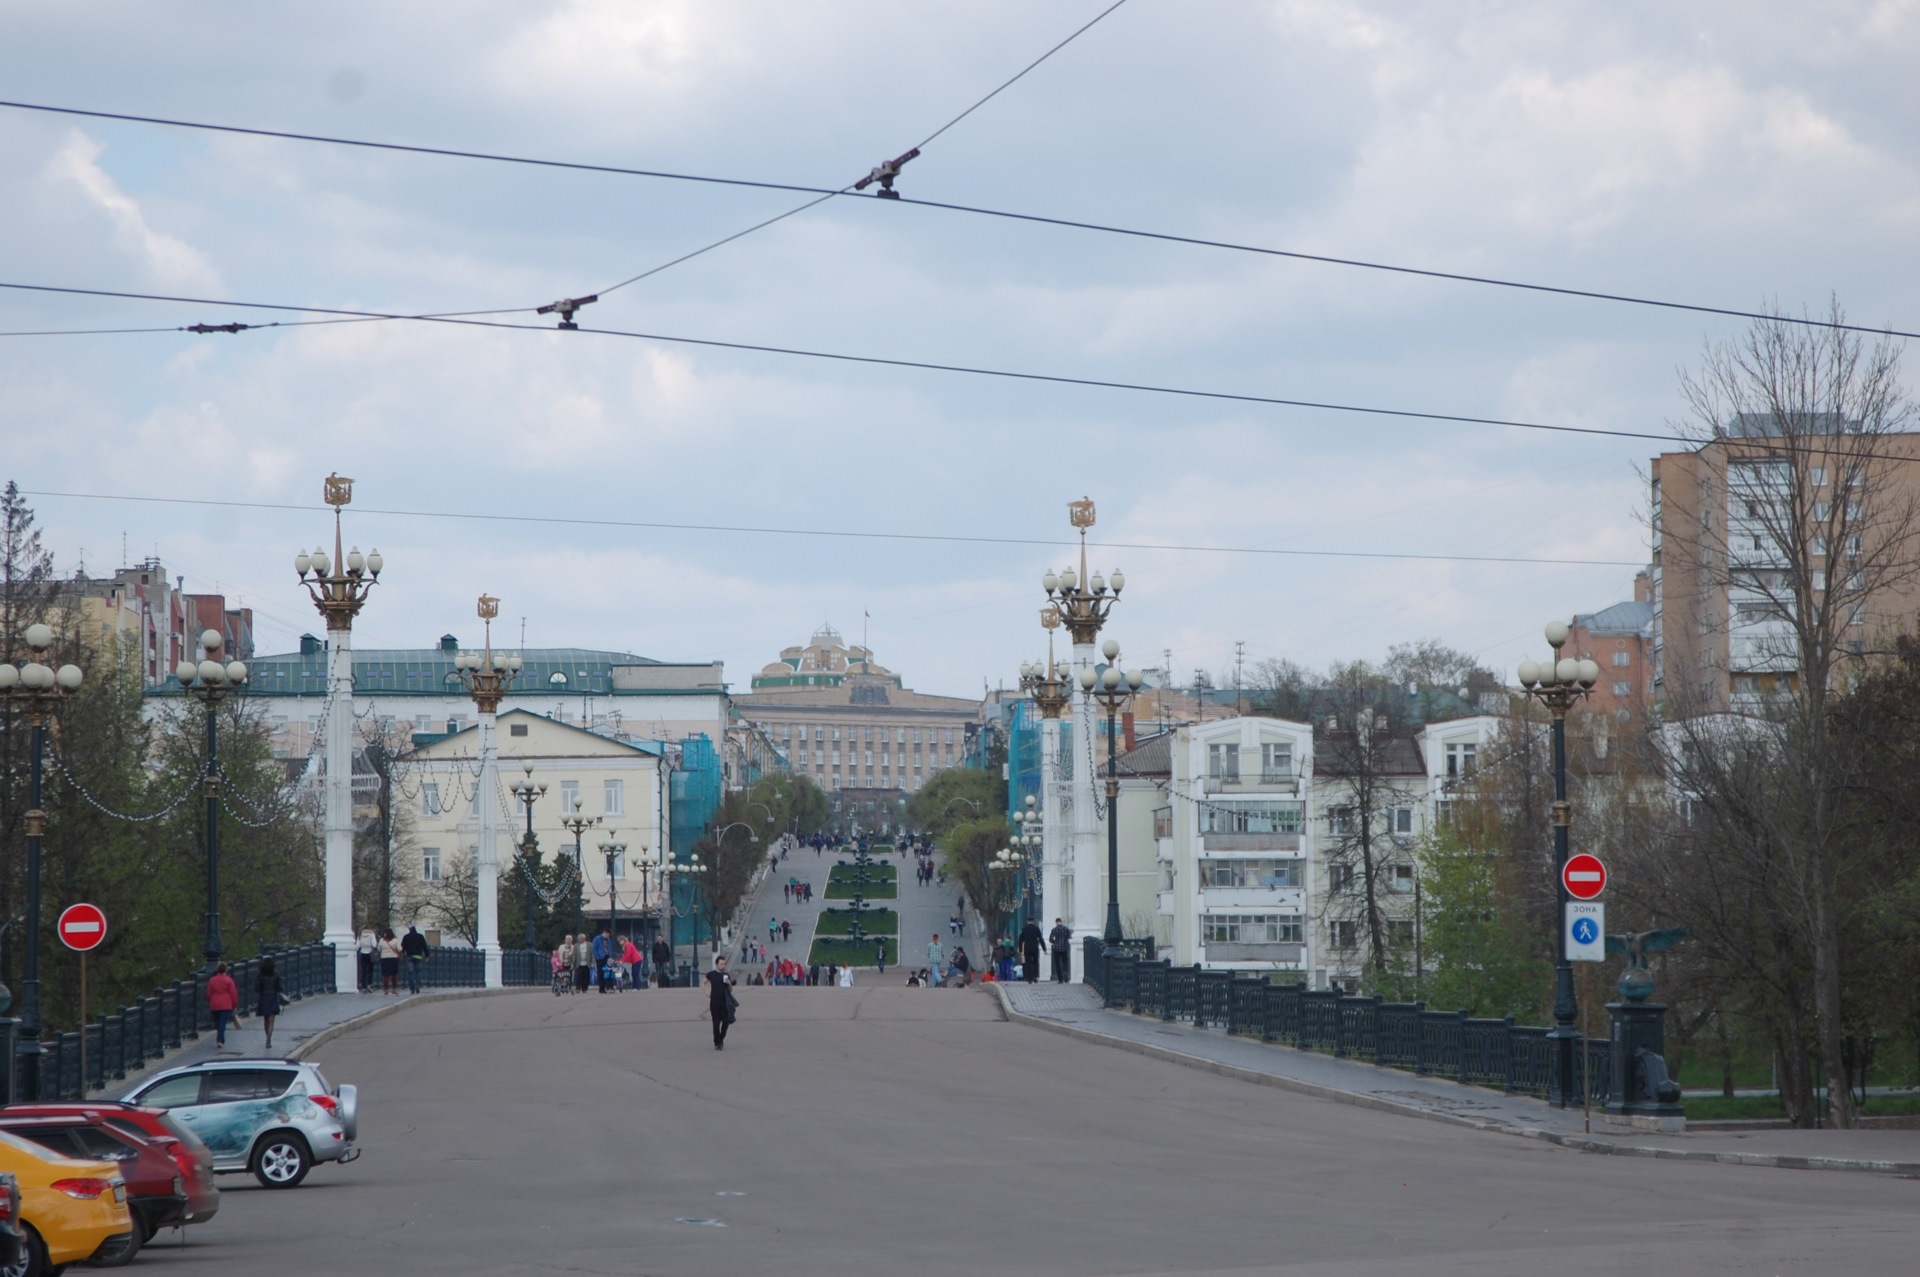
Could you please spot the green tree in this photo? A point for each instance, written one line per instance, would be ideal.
(1478, 953)
(966, 853)
(956, 796)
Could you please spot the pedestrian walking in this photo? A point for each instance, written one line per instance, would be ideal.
(390, 955)
(582, 963)
(846, 977)
(1060, 941)
(602, 958)
(1030, 939)
(413, 947)
(937, 960)
(365, 951)
(880, 956)
(786, 930)
(630, 960)
(721, 1004)
(223, 999)
(662, 961)
(773, 931)
(560, 961)
(268, 1000)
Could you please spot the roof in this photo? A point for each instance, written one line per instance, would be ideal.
(1152, 757)
(425, 741)
(1631, 617)
(1398, 757)
(428, 671)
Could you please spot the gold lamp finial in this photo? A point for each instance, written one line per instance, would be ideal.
(339, 490)
(489, 607)
(1080, 513)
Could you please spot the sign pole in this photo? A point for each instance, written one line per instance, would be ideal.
(1586, 1049)
(83, 1024)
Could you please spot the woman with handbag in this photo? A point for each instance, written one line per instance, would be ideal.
(721, 1004)
(268, 1000)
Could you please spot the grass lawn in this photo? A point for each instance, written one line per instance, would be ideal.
(844, 872)
(872, 891)
(839, 922)
(846, 953)
(1709, 1108)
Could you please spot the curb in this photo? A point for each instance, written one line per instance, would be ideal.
(1577, 1143)
(365, 1018)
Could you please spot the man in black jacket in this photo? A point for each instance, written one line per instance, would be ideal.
(1060, 941)
(413, 956)
(1030, 952)
(662, 962)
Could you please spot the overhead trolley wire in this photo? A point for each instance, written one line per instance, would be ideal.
(1041, 219)
(858, 535)
(881, 361)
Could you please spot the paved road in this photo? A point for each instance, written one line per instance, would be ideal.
(890, 1130)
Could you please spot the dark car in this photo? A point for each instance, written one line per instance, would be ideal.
(156, 1126)
(156, 1190)
(12, 1247)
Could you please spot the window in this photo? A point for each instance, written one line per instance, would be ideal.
(1820, 510)
(1223, 762)
(949, 736)
(613, 794)
(1253, 818)
(1250, 875)
(1403, 877)
(786, 731)
(455, 723)
(1622, 689)
(1253, 928)
(1622, 659)
(836, 758)
(1403, 820)
(916, 735)
(430, 799)
(1276, 762)
(1339, 878)
(430, 864)
(1400, 931)
(1443, 813)
(1817, 476)
(517, 729)
(869, 760)
(1163, 822)
(1342, 820)
(836, 733)
(224, 1086)
(175, 1092)
(819, 733)
(1460, 758)
(803, 758)
(1341, 934)
(569, 797)
(869, 736)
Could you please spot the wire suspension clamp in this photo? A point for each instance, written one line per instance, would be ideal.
(566, 307)
(884, 173)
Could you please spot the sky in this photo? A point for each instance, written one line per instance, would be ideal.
(1736, 154)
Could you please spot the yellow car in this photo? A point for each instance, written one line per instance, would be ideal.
(70, 1210)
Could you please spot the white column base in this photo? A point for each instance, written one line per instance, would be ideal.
(346, 960)
(490, 954)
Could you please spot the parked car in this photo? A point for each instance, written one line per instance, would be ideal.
(70, 1210)
(273, 1118)
(156, 1190)
(12, 1248)
(156, 1126)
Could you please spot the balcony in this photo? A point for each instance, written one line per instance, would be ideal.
(1252, 782)
(1274, 840)
(1283, 954)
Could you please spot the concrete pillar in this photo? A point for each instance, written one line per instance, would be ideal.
(488, 866)
(1089, 851)
(339, 930)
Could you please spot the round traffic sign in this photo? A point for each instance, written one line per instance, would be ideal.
(81, 927)
(1584, 876)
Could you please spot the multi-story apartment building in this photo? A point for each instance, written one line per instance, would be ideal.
(1779, 526)
(849, 723)
(1619, 639)
(141, 606)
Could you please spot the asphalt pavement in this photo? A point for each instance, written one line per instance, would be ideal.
(916, 1131)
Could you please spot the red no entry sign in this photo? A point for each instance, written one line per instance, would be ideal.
(82, 927)
(1584, 876)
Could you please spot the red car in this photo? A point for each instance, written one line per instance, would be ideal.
(156, 1126)
(157, 1194)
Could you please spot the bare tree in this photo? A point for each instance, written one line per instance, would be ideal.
(1804, 538)
(1369, 771)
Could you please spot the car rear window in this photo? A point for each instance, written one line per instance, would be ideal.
(95, 1142)
(227, 1085)
(173, 1092)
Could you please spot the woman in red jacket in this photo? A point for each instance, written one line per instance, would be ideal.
(223, 996)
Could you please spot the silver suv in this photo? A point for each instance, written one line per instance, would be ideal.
(275, 1118)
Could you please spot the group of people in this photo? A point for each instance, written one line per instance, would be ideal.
(223, 999)
(382, 951)
(607, 962)
(941, 966)
(787, 971)
(797, 891)
(778, 930)
(926, 872)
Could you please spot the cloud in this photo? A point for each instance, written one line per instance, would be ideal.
(165, 258)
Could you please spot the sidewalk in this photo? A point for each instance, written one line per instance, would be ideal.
(1073, 1009)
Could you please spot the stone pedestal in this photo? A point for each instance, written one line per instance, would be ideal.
(1640, 1092)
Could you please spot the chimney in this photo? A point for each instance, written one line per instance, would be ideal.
(1642, 586)
(1126, 725)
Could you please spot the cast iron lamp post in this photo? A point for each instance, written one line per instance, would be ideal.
(211, 682)
(529, 793)
(1559, 684)
(648, 863)
(487, 675)
(692, 870)
(577, 824)
(1112, 690)
(1029, 840)
(41, 687)
(613, 851)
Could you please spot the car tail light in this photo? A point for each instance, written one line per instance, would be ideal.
(179, 1186)
(327, 1102)
(87, 1188)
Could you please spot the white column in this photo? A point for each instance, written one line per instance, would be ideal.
(1089, 849)
(489, 864)
(1054, 841)
(339, 921)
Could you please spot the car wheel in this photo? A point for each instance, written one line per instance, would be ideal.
(33, 1256)
(281, 1161)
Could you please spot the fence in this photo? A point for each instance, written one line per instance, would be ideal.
(1500, 1054)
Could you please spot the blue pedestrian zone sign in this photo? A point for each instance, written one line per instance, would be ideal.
(1586, 931)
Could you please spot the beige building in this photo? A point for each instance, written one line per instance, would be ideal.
(851, 724)
(437, 836)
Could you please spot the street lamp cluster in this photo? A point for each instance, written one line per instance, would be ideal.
(40, 687)
(211, 681)
(1112, 689)
(1559, 684)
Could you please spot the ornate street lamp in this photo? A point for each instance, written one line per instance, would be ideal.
(528, 793)
(693, 871)
(577, 824)
(614, 852)
(1559, 684)
(487, 675)
(338, 586)
(1051, 685)
(1113, 690)
(40, 688)
(211, 682)
(648, 863)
